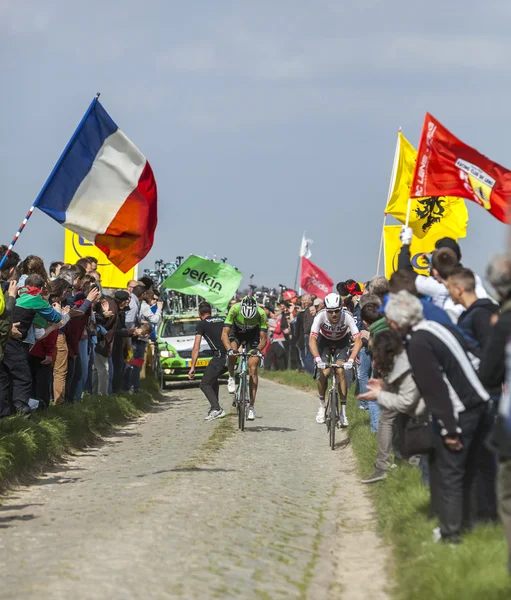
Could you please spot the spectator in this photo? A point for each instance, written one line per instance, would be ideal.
(86, 264)
(303, 326)
(443, 261)
(122, 299)
(76, 344)
(145, 315)
(364, 357)
(15, 376)
(319, 304)
(106, 319)
(454, 395)
(373, 324)
(32, 265)
(55, 269)
(279, 347)
(492, 369)
(379, 286)
(42, 354)
(93, 263)
(396, 393)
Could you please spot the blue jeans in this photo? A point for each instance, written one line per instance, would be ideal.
(306, 356)
(374, 416)
(364, 372)
(83, 357)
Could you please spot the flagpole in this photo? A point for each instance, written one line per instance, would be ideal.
(381, 243)
(298, 265)
(50, 177)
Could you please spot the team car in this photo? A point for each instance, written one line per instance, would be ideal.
(173, 349)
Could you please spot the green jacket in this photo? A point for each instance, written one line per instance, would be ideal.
(377, 326)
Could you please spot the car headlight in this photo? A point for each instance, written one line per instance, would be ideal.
(167, 354)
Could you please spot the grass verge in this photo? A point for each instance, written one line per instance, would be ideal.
(28, 446)
(476, 569)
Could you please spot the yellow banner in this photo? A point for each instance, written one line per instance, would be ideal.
(426, 214)
(419, 246)
(76, 247)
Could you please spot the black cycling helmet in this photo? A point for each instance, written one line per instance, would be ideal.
(248, 307)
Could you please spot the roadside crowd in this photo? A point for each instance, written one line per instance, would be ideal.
(62, 334)
(432, 375)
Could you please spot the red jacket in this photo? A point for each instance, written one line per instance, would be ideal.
(45, 347)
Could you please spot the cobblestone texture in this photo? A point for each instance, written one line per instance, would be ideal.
(173, 507)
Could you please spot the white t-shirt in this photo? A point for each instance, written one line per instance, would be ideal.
(334, 332)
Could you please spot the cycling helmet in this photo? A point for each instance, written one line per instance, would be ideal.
(248, 307)
(333, 301)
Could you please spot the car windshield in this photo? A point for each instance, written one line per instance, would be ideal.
(173, 329)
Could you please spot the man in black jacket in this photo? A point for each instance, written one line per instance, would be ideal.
(475, 323)
(453, 393)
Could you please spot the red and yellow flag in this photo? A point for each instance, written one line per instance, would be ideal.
(448, 167)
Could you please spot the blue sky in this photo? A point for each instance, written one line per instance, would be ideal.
(260, 119)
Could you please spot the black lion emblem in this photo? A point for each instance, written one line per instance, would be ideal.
(431, 209)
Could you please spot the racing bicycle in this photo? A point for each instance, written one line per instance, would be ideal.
(242, 397)
(333, 407)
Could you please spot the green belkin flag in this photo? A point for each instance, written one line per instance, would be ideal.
(216, 282)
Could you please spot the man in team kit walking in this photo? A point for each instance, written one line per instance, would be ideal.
(330, 335)
(210, 328)
(245, 325)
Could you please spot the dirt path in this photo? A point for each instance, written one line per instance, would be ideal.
(173, 507)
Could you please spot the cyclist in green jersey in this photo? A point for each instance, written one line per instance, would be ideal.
(245, 325)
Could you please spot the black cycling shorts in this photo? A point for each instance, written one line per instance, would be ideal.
(338, 349)
(250, 338)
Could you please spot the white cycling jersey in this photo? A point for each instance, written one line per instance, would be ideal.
(334, 332)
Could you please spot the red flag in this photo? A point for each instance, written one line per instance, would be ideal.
(447, 167)
(313, 280)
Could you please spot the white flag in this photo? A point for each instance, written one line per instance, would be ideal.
(305, 248)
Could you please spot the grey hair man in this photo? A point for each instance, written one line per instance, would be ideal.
(369, 299)
(492, 368)
(458, 402)
(379, 285)
(498, 273)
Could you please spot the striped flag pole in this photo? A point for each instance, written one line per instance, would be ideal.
(15, 238)
(50, 177)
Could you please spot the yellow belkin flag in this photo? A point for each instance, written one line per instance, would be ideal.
(418, 247)
(426, 214)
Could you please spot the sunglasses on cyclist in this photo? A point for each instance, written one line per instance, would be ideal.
(334, 311)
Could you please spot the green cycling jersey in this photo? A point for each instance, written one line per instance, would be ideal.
(237, 320)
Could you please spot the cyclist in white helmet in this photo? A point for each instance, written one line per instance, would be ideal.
(330, 336)
(245, 324)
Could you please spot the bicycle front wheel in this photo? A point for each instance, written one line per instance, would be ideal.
(242, 403)
(333, 416)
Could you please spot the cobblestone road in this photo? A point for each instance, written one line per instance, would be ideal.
(173, 507)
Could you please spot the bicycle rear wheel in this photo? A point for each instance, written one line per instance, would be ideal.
(332, 400)
(242, 402)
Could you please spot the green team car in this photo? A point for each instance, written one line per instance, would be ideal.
(173, 349)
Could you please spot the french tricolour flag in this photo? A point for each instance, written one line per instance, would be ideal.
(103, 189)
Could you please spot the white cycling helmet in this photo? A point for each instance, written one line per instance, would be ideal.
(333, 301)
(248, 307)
